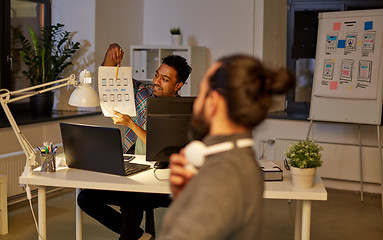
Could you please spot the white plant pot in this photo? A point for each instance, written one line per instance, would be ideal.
(303, 178)
(176, 39)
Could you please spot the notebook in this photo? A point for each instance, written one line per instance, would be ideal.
(96, 148)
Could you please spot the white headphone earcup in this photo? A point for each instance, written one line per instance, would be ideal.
(195, 153)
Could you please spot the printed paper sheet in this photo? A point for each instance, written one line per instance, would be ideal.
(116, 93)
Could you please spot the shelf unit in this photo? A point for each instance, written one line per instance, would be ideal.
(146, 59)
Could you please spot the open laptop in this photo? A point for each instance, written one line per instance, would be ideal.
(96, 148)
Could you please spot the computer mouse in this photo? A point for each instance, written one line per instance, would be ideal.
(161, 164)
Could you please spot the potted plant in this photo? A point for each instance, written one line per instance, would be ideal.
(45, 57)
(176, 36)
(304, 159)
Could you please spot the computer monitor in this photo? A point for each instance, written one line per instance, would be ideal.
(168, 123)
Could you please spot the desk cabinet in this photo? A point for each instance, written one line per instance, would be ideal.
(146, 59)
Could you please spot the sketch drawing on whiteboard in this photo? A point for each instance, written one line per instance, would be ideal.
(351, 39)
(328, 69)
(368, 42)
(364, 73)
(346, 71)
(331, 42)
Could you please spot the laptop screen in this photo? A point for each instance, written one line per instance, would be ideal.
(93, 148)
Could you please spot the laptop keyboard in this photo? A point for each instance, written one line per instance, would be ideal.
(132, 168)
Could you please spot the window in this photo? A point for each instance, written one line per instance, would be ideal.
(302, 28)
(18, 14)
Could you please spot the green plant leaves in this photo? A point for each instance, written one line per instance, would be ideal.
(304, 154)
(50, 55)
(175, 30)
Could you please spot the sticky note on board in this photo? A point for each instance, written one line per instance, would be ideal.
(368, 25)
(333, 85)
(341, 43)
(336, 26)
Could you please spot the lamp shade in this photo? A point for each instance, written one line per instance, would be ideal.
(84, 96)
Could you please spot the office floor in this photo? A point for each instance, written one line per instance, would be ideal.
(343, 216)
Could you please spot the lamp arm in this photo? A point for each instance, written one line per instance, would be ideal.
(67, 81)
(5, 98)
(29, 151)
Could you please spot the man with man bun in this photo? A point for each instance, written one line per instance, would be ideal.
(224, 199)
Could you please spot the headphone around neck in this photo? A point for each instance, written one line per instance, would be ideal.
(196, 151)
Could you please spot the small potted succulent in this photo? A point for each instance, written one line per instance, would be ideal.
(176, 36)
(304, 159)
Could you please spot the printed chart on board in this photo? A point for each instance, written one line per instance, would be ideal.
(116, 93)
(348, 58)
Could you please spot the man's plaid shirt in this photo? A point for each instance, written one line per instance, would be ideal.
(141, 91)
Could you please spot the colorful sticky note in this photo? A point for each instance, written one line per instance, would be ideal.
(341, 43)
(368, 25)
(333, 85)
(336, 26)
(345, 73)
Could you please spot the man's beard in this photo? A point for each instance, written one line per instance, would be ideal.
(199, 126)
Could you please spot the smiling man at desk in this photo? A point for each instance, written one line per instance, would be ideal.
(168, 79)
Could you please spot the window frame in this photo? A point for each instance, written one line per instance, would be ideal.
(5, 42)
(314, 5)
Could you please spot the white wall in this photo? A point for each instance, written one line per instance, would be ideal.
(224, 27)
(96, 24)
(348, 168)
(118, 21)
(78, 18)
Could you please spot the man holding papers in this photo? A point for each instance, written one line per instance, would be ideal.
(168, 79)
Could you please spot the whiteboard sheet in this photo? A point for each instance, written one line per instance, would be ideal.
(116, 93)
(347, 65)
(345, 102)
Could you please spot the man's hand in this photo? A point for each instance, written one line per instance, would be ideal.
(179, 175)
(122, 119)
(113, 56)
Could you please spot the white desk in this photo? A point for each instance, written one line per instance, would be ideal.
(285, 190)
(146, 182)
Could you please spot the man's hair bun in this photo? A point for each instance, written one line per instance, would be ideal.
(248, 86)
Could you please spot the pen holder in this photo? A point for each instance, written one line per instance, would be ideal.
(48, 162)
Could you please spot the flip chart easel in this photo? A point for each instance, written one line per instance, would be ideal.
(348, 76)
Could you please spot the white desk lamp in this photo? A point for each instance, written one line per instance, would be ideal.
(82, 96)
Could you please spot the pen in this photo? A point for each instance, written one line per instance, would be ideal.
(118, 65)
